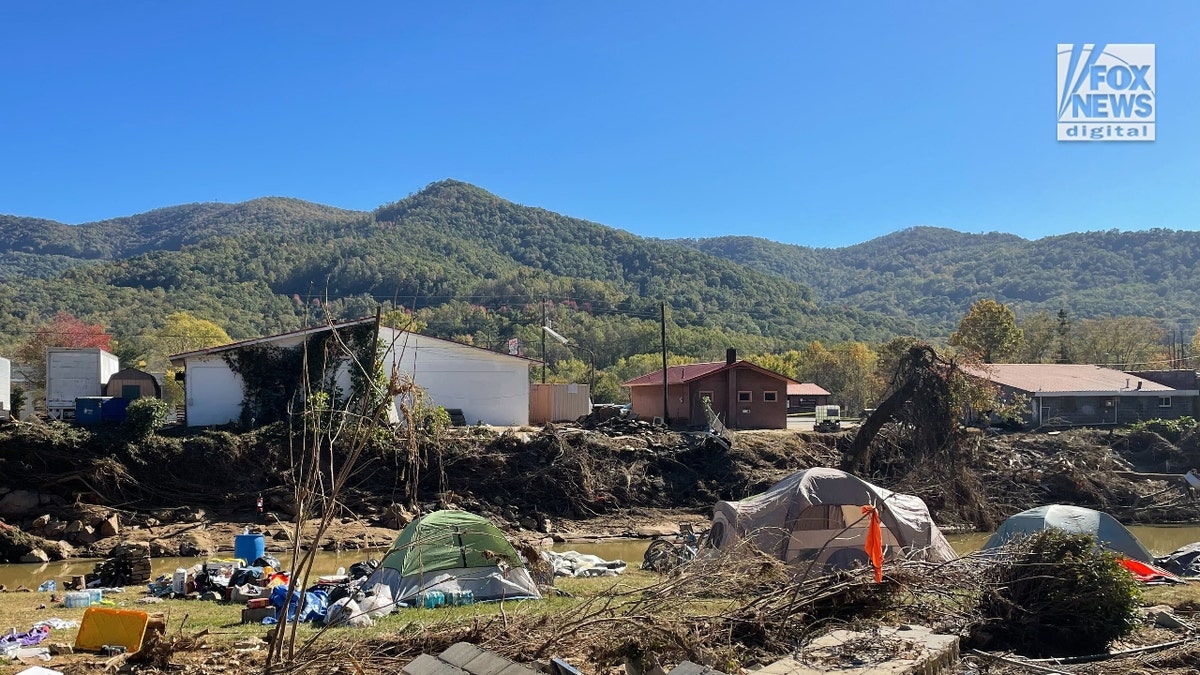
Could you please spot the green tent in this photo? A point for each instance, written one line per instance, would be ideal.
(454, 551)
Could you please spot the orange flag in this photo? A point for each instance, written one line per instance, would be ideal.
(874, 543)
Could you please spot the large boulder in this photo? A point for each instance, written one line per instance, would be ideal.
(109, 527)
(19, 503)
(35, 555)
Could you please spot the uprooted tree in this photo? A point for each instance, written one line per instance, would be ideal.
(924, 448)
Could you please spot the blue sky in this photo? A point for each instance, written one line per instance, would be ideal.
(808, 123)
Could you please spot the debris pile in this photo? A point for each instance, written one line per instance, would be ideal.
(128, 565)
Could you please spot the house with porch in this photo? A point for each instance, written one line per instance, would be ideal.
(1084, 395)
(743, 395)
(250, 380)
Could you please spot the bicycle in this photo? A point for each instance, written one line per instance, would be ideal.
(666, 555)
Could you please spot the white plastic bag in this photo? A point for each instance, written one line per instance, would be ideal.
(380, 603)
(346, 612)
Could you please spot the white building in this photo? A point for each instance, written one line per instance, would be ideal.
(5, 387)
(488, 387)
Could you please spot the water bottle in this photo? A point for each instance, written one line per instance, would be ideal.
(467, 598)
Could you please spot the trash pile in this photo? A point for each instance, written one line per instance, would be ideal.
(613, 420)
(575, 564)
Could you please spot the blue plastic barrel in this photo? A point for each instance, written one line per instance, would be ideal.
(249, 547)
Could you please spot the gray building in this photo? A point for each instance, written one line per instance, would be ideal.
(1083, 395)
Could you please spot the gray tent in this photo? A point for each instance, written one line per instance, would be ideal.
(1074, 519)
(816, 515)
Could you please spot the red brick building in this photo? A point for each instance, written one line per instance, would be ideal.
(742, 394)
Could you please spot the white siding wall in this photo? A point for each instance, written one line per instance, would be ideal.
(214, 391)
(6, 384)
(489, 387)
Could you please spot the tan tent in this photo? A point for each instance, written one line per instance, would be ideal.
(817, 515)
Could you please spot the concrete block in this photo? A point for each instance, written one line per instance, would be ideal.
(904, 650)
(460, 653)
(430, 665)
(689, 668)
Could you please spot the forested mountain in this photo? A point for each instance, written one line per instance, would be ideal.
(474, 267)
(932, 275)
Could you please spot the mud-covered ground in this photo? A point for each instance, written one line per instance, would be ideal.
(68, 491)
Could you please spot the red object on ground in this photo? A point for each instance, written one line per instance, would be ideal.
(1147, 573)
(874, 543)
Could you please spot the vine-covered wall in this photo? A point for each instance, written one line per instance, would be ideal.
(274, 378)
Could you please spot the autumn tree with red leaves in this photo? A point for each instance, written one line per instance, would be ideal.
(62, 330)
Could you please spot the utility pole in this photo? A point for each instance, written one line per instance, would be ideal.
(543, 341)
(662, 313)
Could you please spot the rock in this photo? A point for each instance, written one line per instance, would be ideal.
(1164, 616)
(19, 503)
(282, 535)
(73, 527)
(36, 555)
(558, 538)
(397, 516)
(40, 521)
(152, 522)
(662, 530)
(64, 550)
(545, 526)
(86, 536)
(56, 528)
(110, 527)
(528, 523)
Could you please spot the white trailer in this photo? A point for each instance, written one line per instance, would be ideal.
(71, 373)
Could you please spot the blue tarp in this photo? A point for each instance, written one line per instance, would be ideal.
(316, 605)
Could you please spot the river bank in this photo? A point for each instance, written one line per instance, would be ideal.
(188, 493)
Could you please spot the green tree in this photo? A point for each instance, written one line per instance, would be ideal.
(1041, 337)
(1124, 342)
(183, 332)
(988, 332)
(1065, 350)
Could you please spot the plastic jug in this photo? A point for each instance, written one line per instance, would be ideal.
(179, 582)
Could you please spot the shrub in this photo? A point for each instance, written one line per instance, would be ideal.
(1172, 430)
(1059, 594)
(144, 415)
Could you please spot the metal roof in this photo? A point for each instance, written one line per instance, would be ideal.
(694, 371)
(806, 389)
(1064, 378)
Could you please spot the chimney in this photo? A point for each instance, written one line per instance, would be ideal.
(730, 356)
(1139, 387)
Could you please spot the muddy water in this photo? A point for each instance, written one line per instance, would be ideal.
(1159, 539)
(31, 576)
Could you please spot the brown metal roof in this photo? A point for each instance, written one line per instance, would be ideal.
(1063, 378)
(806, 389)
(694, 371)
